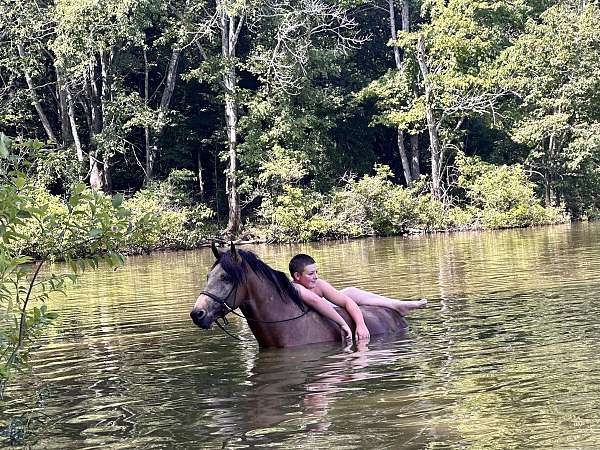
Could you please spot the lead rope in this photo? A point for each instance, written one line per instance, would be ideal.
(222, 327)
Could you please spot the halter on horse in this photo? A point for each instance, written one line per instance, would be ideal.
(270, 303)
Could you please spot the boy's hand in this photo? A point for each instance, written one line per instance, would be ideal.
(362, 333)
(346, 333)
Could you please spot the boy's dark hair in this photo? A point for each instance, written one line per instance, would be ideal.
(299, 262)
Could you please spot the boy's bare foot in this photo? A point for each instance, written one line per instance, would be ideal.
(404, 307)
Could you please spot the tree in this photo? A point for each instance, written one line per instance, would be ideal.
(410, 168)
(298, 52)
(554, 69)
(85, 230)
(455, 53)
(283, 40)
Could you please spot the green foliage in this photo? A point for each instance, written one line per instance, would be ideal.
(293, 128)
(496, 197)
(501, 196)
(166, 215)
(312, 106)
(76, 228)
(395, 99)
(292, 215)
(554, 67)
(371, 205)
(84, 230)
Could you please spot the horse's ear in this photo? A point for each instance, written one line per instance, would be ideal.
(215, 251)
(234, 253)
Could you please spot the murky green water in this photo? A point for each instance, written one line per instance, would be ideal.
(505, 355)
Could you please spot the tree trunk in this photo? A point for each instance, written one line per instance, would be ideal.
(398, 59)
(106, 58)
(414, 149)
(74, 132)
(405, 15)
(549, 178)
(233, 224)
(67, 112)
(35, 99)
(170, 83)
(63, 108)
(404, 158)
(149, 163)
(414, 138)
(200, 178)
(229, 35)
(434, 141)
(94, 99)
(97, 174)
(547, 188)
(397, 56)
(165, 101)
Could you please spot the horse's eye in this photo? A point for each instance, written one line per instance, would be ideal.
(226, 278)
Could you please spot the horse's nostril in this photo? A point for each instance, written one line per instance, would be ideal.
(197, 315)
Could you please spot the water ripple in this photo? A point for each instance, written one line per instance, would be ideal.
(504, 356)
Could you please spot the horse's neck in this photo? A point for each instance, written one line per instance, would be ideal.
(265, 304)
(265, 300)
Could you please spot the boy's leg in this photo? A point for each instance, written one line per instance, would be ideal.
(369, 299)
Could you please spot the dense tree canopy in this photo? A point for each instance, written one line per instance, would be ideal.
(257, 98)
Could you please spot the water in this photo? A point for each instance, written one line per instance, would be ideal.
(504, 356)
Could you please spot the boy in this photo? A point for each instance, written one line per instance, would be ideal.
(313, 290)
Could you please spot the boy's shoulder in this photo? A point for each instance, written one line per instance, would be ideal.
(321, 287)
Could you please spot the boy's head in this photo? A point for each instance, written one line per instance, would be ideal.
(299, 262)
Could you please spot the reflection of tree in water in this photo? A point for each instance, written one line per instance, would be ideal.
(508, 317)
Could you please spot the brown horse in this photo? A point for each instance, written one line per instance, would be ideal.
(271, 305)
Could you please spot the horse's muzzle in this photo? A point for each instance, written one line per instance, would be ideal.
(201, 318)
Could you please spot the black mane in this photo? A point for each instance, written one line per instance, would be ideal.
(278, 279)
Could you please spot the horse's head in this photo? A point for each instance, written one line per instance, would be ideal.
(241, 279)
(222, 290)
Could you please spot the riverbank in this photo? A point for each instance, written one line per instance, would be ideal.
(164, 216)
(485, 197)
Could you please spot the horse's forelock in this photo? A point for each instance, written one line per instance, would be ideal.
(278, 279)
(232, 268)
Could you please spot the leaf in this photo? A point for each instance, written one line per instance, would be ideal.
(73, 201)
(23, 214)
(72, 277)
(95, 232)
(117, 200)
(20, 181)
(121, 258)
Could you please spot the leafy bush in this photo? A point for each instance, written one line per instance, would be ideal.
(292, 216)
(53, 228)
(87, 228)
(496, 197)
(501, 196)
(371, 205)
(165, 216)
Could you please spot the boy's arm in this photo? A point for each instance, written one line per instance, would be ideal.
(323, 308)
(335, 296)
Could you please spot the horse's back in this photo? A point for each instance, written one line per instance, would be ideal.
(380, 320)
(314, 328)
